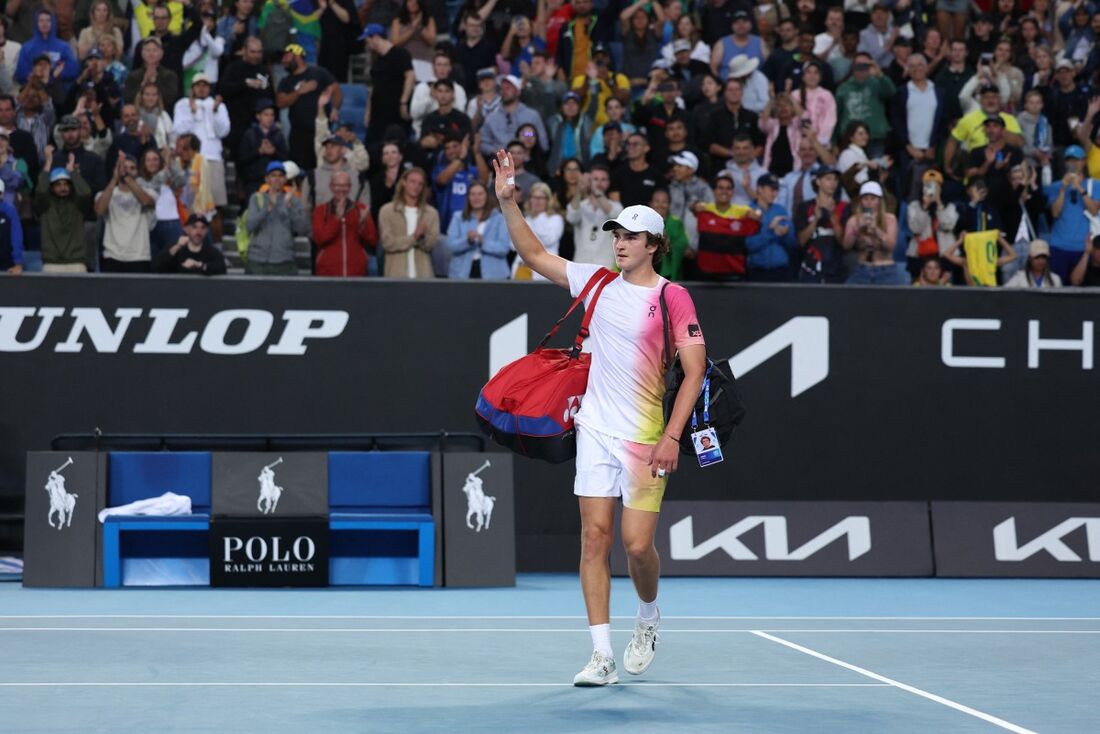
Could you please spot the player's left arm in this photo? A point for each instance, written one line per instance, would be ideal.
(666, 454)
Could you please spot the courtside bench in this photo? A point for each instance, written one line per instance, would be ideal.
(383, 530)
(132, 544)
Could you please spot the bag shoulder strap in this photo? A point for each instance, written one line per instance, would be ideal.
(596, 278)
(589, 312)
(669, 355)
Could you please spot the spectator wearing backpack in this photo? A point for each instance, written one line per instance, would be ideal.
(343, 230)
(273, 219)
(299, 93)
(276, 26)
(261, 144)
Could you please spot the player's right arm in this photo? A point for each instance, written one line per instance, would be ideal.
(546, 264)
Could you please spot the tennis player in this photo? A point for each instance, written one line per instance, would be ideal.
(624, 448)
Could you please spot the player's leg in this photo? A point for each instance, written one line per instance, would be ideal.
(597, 528)
(642, 496)
(597, 488)
(638, 529)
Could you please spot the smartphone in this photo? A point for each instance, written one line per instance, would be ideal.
(987, 58)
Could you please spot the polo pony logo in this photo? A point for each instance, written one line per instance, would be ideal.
(270, 492)
(62, 502)
(479, 506)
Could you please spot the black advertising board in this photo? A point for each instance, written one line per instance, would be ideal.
(479, 527)
(248, 551)
(290, 484)
(64, 493)
(1018, 539)
(852, 393)
(791, 539)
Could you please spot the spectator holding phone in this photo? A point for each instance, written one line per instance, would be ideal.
(1070, 199)
(872, 234)
(771, 250)
(994, 162)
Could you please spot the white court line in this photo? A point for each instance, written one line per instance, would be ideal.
(538, 630)
(314, 684)
(525, 616)
(898, 684)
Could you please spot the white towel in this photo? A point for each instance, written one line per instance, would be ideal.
(167, 504)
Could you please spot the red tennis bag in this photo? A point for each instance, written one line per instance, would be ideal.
(528, 406)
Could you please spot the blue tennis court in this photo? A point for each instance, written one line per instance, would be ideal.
(737, 655)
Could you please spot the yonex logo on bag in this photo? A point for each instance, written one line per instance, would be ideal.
(572, 407)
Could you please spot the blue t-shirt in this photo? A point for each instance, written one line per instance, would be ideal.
(452, 197)
(1069, 230)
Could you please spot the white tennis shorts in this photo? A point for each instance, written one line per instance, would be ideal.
(613, 467)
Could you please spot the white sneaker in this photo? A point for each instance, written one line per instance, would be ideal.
(643, 646)
(599, 672)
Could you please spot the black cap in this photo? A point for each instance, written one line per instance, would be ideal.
(994, 120)
(984, 18)
(195, 218)
(903, 41)
(265, 103)
(612, 126)
(443, 82)
(987, 88)
(741, 15)
(334, 140)
(767, 180)
(825, 171)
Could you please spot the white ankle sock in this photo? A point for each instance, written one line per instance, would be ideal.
(647, 610)
(601, 638)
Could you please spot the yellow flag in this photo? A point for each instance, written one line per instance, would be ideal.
(981, 256)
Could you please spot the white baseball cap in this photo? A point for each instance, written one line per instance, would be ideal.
(871, 187)
(687, 158)
(511, 79)
(292, 170)
(637, 218)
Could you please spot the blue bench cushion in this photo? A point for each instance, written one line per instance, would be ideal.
(165, 519)
(138, 475)
(381, 517)
(379, 481)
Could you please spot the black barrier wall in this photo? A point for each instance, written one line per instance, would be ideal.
(853, 394)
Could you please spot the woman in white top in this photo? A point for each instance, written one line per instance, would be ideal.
(543, 213)
(161, 183)
(853, 164)
(102, 24)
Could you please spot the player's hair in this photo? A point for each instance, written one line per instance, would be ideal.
(661, 241)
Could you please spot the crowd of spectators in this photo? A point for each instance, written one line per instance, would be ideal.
(924, 142)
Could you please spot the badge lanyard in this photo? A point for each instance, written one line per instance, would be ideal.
(706, 403)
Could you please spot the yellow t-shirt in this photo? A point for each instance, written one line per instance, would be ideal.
(981, 256)
(581, 87)
(970, 129)
(1092, 160)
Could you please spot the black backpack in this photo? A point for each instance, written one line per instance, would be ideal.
(276, 32)
(723, 413)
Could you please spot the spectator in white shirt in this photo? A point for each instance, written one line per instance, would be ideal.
(208, 119)
(543, 212)
(587, 212)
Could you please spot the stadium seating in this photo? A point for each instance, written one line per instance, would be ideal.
(354, 107)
